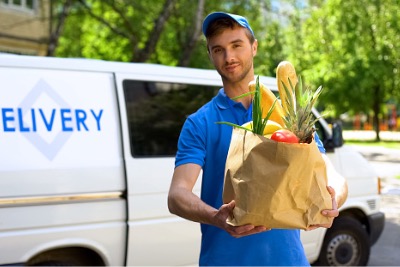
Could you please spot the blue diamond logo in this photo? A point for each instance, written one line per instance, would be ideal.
(48, 149)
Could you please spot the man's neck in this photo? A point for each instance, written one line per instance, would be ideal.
(236, 89)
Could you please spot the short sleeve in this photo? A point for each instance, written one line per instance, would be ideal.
(191, 143)
(319, 143)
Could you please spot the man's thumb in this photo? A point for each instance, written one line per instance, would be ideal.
(231, 205)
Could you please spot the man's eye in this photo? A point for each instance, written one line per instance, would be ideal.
(217, 50)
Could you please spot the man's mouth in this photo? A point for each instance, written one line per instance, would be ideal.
(231, 67)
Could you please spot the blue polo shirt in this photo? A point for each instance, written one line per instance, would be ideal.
(206, 143)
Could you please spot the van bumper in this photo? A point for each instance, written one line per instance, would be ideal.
(376, 224)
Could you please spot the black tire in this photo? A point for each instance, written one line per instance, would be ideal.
(345, 243)
(72, 256)
(54, 263)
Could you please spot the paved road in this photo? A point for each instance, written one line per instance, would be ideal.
(386, 252)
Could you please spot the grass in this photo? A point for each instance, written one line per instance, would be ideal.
(386, 144)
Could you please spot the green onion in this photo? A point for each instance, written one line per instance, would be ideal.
(259, 122)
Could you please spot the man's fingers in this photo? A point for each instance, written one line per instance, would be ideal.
(315, 226)
(245, 230)
(331, 191)
(231, 204)
(228, 208)
(334, 204)
(330, 213)
(312, 227)
(333, 196)
(334, 212)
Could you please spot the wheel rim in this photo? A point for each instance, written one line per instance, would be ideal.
(343, 250)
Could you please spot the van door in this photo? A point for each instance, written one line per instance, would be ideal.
(61, 169)
(153, 109)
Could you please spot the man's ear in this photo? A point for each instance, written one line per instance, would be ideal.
(255, 45)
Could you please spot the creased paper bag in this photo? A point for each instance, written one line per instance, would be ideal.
(275, 184)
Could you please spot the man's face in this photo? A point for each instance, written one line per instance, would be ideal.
(232, 54)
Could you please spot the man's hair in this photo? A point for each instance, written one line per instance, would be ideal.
(219, 25)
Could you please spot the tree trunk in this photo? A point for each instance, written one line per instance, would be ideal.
(377, 108)
(56, 33)
(144, 54)
(185, 58)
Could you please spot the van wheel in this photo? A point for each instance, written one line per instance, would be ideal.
(53, 263)
(345, 243)
(73, 256)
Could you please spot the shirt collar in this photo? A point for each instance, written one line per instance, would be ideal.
(222, 100)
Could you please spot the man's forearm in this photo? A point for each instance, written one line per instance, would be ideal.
(189, 206)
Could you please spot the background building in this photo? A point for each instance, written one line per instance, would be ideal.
(24, 26)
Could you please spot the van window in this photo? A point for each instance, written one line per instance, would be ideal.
(156, 112)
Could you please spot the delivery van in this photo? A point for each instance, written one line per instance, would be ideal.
(87, 154)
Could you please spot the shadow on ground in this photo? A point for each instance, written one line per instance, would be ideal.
(380, 157)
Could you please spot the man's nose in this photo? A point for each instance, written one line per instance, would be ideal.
(229, 56)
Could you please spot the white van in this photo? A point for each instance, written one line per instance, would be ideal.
(87, 153)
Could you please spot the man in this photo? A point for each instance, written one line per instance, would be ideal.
(203, 145)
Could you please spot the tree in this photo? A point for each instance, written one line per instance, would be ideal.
(135, 31)
(138, 25)
(194, 37)
(165, 32)
(58, 19)
(352, 48)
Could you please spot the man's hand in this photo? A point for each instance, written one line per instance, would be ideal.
(236, 231)
(333, 213)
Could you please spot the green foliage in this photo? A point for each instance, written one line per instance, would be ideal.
(270, 49)
(110, 30)
(385, 143)
(352, 48)
(120, 31)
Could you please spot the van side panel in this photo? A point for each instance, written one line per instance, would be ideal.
(53, 122)
(29, 231)
(61, 167)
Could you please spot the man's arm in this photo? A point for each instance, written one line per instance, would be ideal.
(336, 181)
(184, 203)
(181, 199)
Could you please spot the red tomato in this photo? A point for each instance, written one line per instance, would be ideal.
(285, 136)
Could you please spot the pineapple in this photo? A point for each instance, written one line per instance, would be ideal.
(298, 116)
(297, 103)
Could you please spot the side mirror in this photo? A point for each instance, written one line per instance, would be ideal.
(337, 134)
(336, 140)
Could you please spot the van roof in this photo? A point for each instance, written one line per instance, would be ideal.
(209, 76)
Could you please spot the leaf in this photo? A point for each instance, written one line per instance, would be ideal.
(233, 125)
(259, 122)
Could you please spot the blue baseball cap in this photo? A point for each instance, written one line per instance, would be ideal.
(218, 15)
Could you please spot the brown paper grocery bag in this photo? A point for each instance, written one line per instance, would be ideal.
(275, 184)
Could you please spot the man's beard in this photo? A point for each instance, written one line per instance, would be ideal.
(239, 78)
